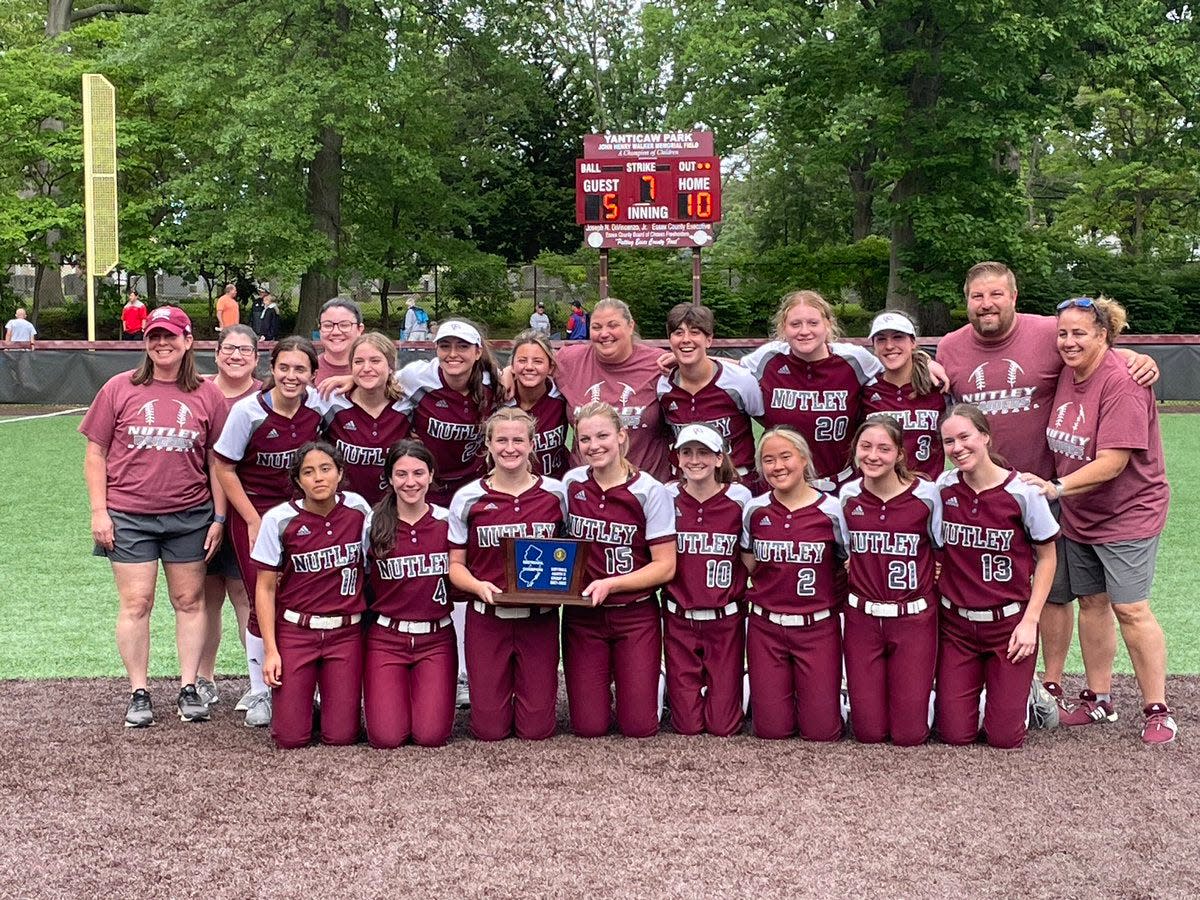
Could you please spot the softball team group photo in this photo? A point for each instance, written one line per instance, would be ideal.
(887, 561)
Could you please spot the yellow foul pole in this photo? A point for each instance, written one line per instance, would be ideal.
(99, 185)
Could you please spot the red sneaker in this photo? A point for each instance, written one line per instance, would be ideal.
(1089, 711)
(1160, 727)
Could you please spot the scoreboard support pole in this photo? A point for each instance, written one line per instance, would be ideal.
(695, 276)
(603, 273)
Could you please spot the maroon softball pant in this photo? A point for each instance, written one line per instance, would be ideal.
(239, 535)
(705, 663)
(890, 663)
(409, 682)
(795, 679)
(333, 659)
(974, 655)
(512, 667)
(606, 645)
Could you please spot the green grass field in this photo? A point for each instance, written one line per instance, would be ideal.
(59, 603)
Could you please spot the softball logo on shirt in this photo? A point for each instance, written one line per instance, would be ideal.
(631, 416)
(1004, 400)
(173, 439)
(1068, 443)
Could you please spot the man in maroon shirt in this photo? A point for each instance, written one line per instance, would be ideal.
(1007, 364)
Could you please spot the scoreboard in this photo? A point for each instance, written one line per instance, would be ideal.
(644, 191)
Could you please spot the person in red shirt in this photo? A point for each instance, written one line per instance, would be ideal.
(534, 390)
(905, 391)
(1104, 435)
(253, 456)
(704, 390)
(364, 422)
(411, 657)
(704, 628)
(512, 651)
(236, 358)
(339, 323)
(998, 563)
(893, 522)
(628, 519)
(133, 318)
(310, 600)
(793, 547)
(150, 435)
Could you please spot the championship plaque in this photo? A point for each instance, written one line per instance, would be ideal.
(544, 572)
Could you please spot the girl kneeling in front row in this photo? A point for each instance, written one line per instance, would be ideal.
(310, 601)
(793, 547)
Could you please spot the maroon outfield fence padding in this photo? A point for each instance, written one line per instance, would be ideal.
(71, 372)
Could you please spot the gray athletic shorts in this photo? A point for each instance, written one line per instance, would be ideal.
(1122, 569)
(1060, 588)
(172, 537)
(225, 562)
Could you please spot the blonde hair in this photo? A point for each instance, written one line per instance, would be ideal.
(384, 345)
(509, 414)
(613, 303)
(1110, 316)
(806, 298)
(793, 437)
(989, 270)
(602, 410)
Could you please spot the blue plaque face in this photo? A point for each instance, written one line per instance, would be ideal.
(544, 564)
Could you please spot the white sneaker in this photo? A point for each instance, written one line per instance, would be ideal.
(462, 697)
(207, 691)
(258, 713)
(245, 700)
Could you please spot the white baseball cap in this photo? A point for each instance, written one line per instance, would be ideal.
(892, 321)
(459, 329)
(700, 434)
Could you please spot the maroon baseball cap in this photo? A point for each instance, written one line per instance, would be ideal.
(169, 318)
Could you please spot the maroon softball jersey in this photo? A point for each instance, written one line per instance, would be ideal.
(891, 542)
(320, 558)
(726, 405)
(988, 540)
(621, 523)
(918, 418)
(1110, 411)
(1012, 381)
(156, 440)
(799, 552)
(262, 444)
(550, 438)
(709, 572)
(480, 519)
(364, 440)
(446, 422)
(821, 400)
(410, 581)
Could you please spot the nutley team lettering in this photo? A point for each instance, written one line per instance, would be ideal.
(340, 557)
(602, 532)
(490, 535)
(806, 552)
(901, 543)
(151, 437)
(418, 565)
(977, 538)
(813, 401)
(702, 543)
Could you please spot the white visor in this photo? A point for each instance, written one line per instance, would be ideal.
(700, 434)
(457, 329)
(890, 321)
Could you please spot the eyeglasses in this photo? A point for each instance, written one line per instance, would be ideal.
(232, 350)
(1078, 302)
(344, 327)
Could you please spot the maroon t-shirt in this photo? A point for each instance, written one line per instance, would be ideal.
(262, 444)
(891, 542)
(1110, 411)
(918, 417)
(821, 400)
(364, 441)
(327, 369)
(726, 405)
(446, 422)
(799, 553)
(630, 387)
(988, 538)
(320, 558)
(156, 440)
(1012, 381)
(621, 524)
(709, 572)
(480, 518)
(410, 581)
(550, 441)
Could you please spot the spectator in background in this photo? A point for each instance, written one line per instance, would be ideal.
(228, 313)
(539, 321)
(256, 309)
(577, 324)
(133, 318)
(268, 323)
(20, 328)
(341, 322)
(416, 322)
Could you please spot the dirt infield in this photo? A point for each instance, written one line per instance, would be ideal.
(91, 809)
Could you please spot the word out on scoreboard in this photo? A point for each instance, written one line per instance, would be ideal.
(648, 190)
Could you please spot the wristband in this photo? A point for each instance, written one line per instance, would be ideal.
(1058, 488)
(218, 519)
